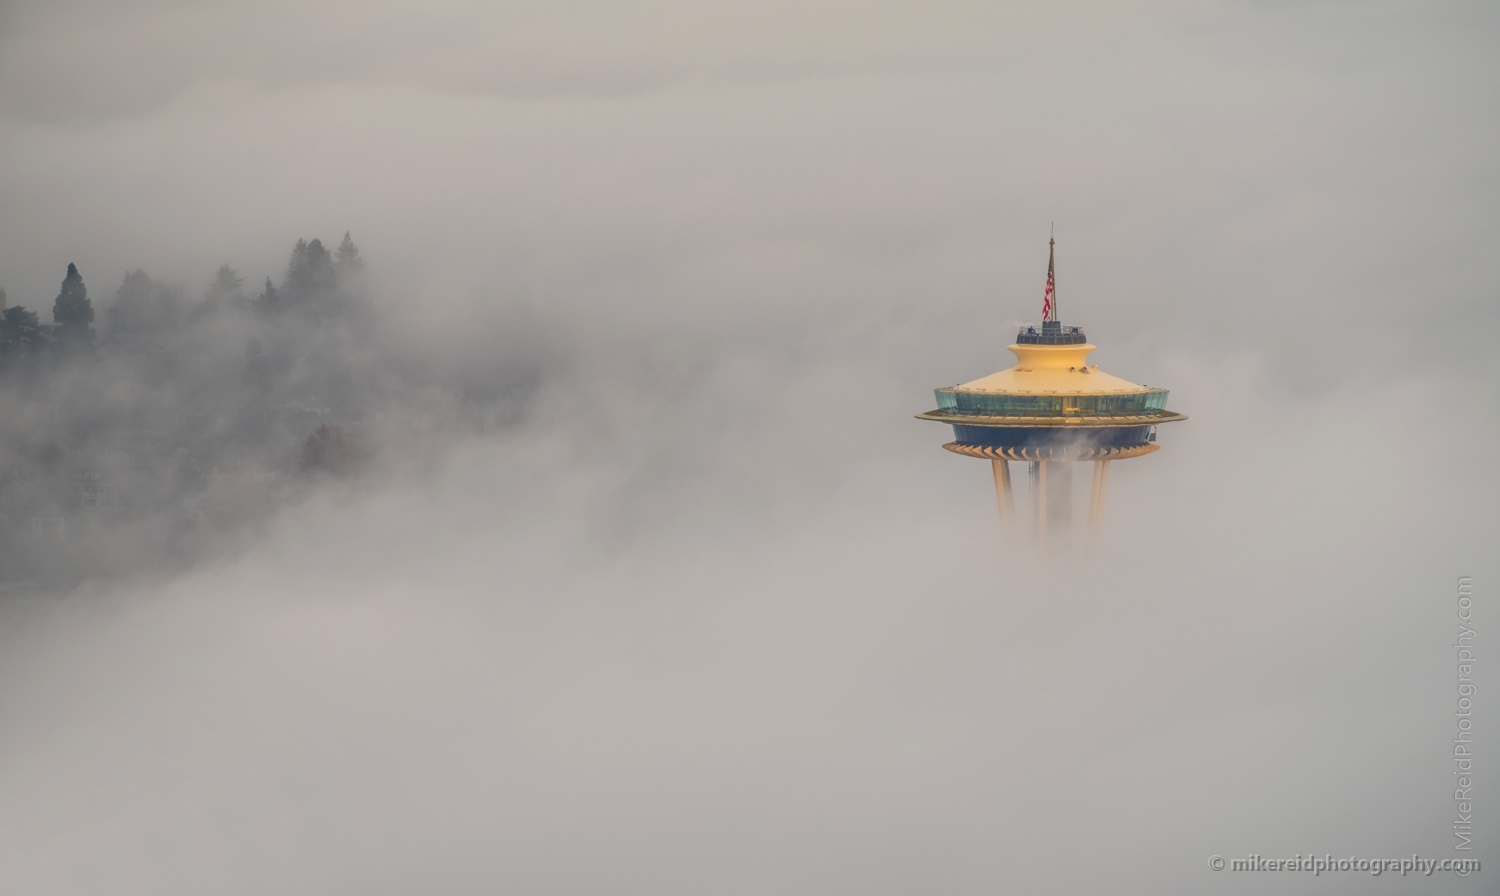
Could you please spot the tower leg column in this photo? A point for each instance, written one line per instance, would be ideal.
(1052, 492)
(1060, 496)
(1096, 497)
(1039, 493)
(1002, 492)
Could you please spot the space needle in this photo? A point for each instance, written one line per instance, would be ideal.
(1050, 411)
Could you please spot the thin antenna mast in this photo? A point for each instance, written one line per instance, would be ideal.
(1051, 241)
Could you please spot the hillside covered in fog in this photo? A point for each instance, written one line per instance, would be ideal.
(148, 424)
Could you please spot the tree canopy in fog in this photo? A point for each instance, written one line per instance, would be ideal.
(187, 417)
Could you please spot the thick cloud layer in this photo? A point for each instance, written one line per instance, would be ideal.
(708, 611)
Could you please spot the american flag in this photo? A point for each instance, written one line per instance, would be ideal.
(1047, 308)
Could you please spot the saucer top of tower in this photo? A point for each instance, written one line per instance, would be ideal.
(1052, 384)
(1057, 368)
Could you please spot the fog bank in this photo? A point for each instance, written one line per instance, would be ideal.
(648, 579)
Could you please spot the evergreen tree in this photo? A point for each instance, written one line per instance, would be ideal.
(223, 293)
(141, 304)
(348, 262)
(309, 273)
(269, 300)
(72, 311)
(20, 331)
(226, 285)
(132, 307)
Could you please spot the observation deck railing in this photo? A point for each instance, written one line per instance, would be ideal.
(990, 404)
(1051, 333)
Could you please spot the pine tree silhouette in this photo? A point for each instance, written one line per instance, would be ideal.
(72, 311)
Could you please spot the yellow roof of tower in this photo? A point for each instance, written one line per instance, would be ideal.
(1052, 370)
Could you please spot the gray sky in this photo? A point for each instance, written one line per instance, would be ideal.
(720, 617)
